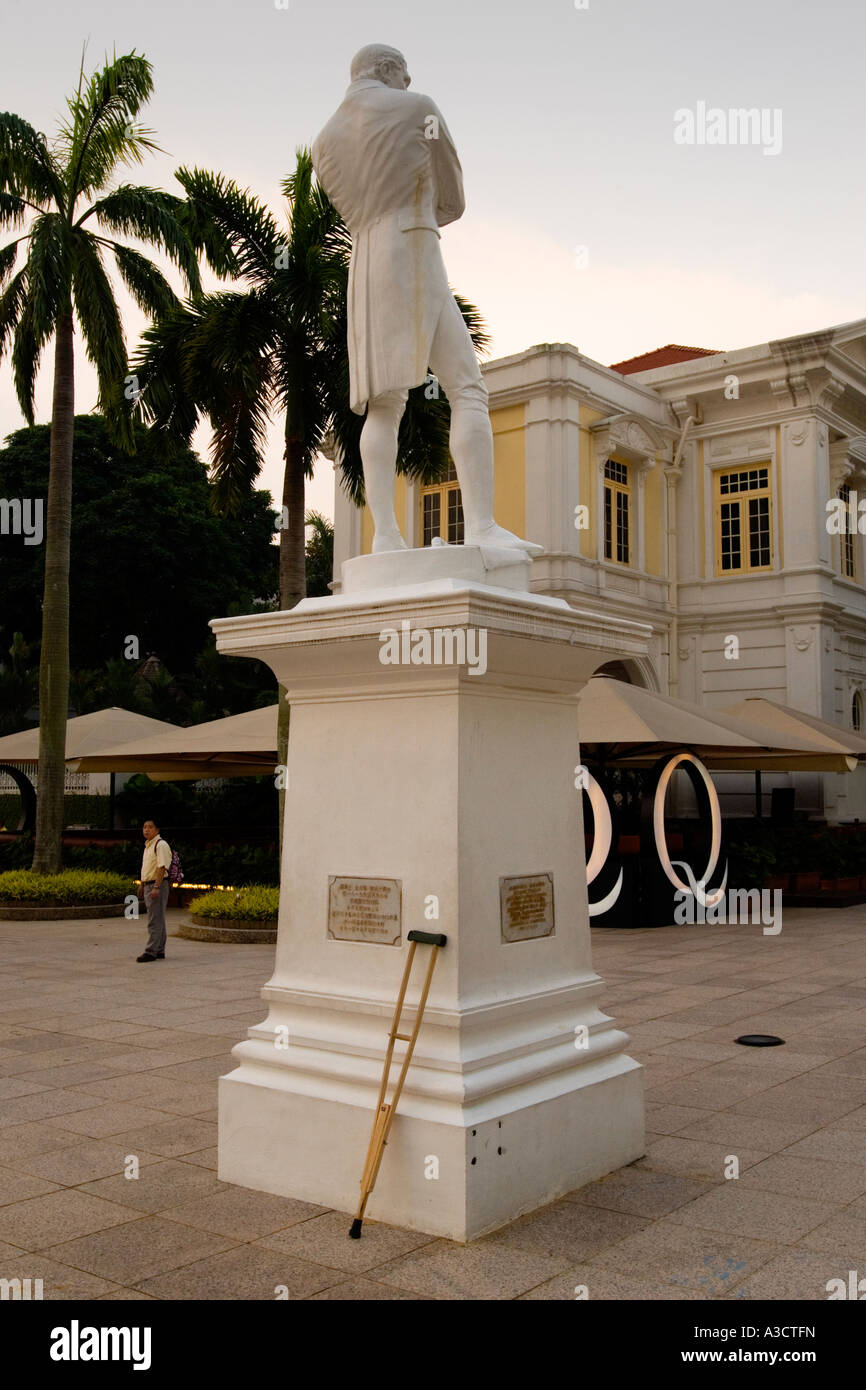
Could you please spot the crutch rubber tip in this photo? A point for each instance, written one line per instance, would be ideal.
(355, 1232)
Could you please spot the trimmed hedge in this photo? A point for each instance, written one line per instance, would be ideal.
(72, 886)
(257, 903)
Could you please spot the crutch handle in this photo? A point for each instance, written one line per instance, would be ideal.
(427, 938)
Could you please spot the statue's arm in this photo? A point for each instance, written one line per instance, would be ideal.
(447, 174)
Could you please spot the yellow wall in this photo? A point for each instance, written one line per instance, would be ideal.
(509, 467)
(654, 520)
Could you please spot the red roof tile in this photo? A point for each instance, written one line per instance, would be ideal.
(661, 357)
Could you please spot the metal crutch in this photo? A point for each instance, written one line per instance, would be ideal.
(385, 1113)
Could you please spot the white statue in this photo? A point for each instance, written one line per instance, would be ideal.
(387, 162)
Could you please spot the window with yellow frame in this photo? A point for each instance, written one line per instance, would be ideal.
(743, 514)
(617, 512)
(442, 511)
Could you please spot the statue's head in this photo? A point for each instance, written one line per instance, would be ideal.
(382, 63)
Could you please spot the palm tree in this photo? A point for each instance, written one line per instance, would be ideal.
(278, 345)
(60, 194)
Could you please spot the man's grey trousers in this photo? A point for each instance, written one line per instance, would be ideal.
(155, 903)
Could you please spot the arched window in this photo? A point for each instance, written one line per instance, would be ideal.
(857, 711)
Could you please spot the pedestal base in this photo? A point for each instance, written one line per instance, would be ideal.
(431, 793)
(457, 1183)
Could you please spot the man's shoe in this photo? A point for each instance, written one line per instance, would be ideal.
(139, 959)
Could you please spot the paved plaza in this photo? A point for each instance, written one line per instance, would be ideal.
(101, 1058)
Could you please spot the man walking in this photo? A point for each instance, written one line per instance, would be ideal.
(155, 885)
(388, 164)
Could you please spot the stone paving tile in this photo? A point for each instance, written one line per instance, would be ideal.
(836, 1182)
(844, 1231)
(568, 1230)
(669, 1119)
(20, 1142)
(60, 1282)
(119, 1295)
(140, 1249)
(796, 1274)
(708, 1263)
(798, 1105)
(246, 1272)
(42, 1221)
(11, 1087)
(243, 1213)
(71, 1075)
(593, 1282)
(731, 1129)
(16, 1186)
(85, 1162)
(170, 1138)
(122, 1086)
(477, 1271)
(161, 1183)
(364, 1290)
(834, 1142)
(175, 1098)
(43, 1106)
(325, 1240)
(743, 1211)
(640, 1192)
(206, 1158)
(102, 1121)
(695, 1158)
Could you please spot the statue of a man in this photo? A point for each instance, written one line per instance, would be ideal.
(387, 162)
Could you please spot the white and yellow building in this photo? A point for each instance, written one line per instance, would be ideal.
(688, 489)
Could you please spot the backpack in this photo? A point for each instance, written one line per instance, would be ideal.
(174, 873)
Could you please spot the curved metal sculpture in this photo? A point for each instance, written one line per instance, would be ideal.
(27, 792)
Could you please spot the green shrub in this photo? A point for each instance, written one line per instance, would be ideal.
(257, 903)
(72, 886)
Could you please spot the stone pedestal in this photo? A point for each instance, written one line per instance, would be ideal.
(440, 784)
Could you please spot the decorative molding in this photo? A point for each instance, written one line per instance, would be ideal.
(745, 445)
(802, 637)
(832, 392)
(791, 390)
(798, 433)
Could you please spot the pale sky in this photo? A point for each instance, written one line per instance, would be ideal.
(564, 119)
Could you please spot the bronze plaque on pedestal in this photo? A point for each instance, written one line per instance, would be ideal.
(365, 909)
(526, 907)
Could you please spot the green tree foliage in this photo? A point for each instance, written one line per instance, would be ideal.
(150, 561)
(320, 554)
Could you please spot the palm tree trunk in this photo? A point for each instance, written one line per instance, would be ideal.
(293, 581)
(54, 659)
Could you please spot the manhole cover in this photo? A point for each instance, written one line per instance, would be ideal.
(760, 1040)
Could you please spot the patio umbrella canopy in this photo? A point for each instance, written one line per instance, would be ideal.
(633, 727)
(241, 745)
(103, 729)
(786, 722)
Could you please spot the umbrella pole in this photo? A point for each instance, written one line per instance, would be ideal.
(759, 799)
(111, 802)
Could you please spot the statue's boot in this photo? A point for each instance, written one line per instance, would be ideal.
(497, 536)
(388, 540)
